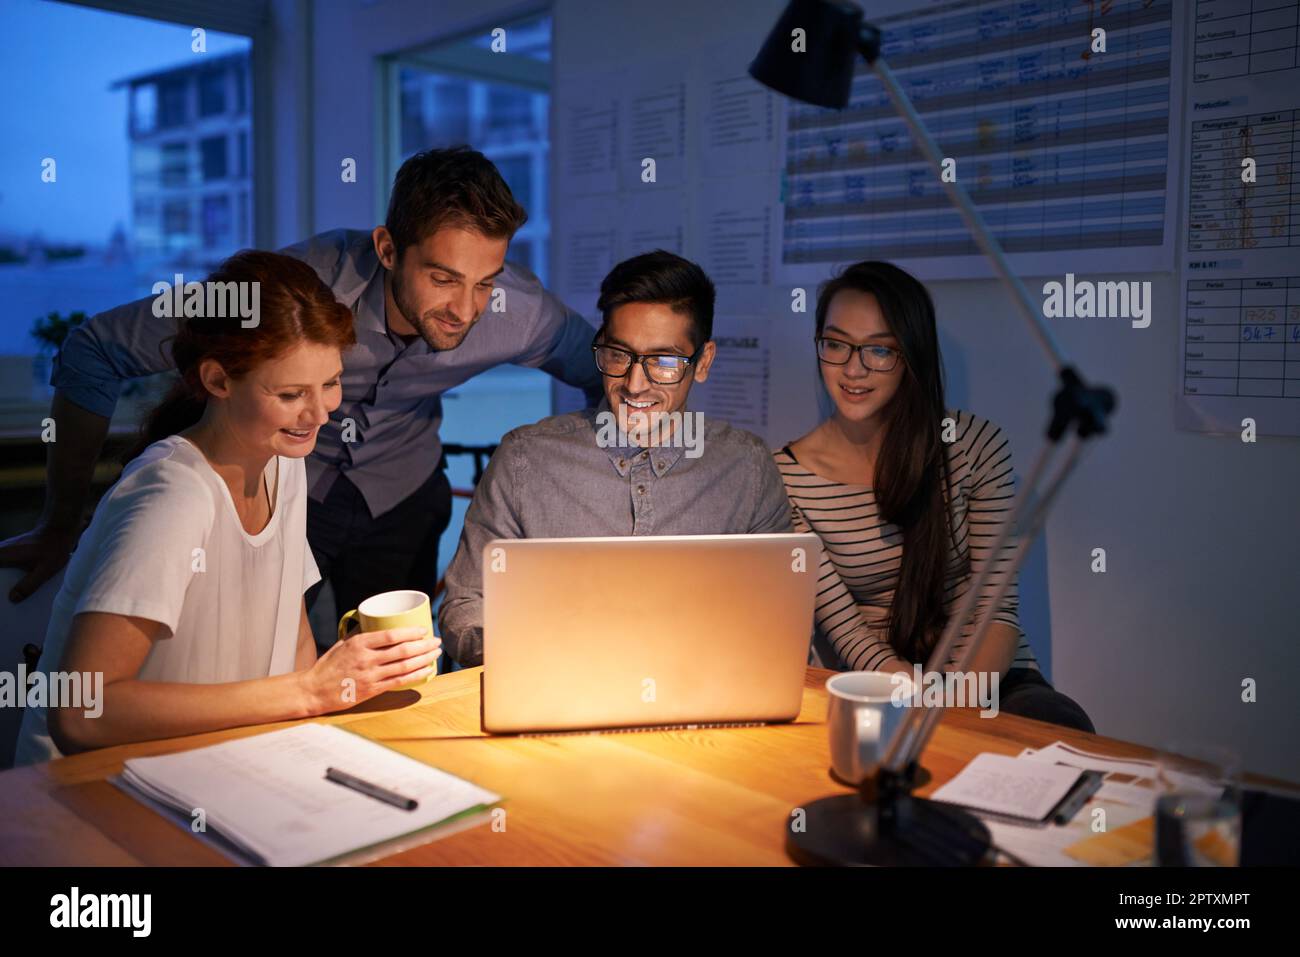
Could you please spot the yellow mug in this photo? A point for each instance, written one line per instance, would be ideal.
(391, 609)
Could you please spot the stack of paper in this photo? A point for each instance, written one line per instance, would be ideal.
(1114, 828)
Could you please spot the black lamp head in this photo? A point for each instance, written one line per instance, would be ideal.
(817, 65)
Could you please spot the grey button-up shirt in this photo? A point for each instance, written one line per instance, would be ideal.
(392, 391)
(552, 480)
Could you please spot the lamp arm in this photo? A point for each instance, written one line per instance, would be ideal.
(1075, 405)
(1028, 513)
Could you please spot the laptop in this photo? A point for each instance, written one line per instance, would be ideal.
(646, 631)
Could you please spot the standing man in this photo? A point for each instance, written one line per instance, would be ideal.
(434, 303)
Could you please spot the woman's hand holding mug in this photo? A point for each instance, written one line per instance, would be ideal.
(370, 663)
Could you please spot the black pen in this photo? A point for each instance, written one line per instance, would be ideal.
(372, 790)
(1089, 783)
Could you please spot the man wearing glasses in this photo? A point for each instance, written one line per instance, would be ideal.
(575, 475)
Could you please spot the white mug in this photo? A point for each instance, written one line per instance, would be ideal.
(863, 718)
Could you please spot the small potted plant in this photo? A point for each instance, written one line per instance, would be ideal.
(49, 331)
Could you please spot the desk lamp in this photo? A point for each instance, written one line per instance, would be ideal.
(884, 823)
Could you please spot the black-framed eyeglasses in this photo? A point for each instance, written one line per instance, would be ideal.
(663, 369)
(837, 352)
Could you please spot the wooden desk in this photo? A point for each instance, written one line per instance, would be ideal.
(718, 796)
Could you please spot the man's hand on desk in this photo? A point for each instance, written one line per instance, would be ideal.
(367, 664)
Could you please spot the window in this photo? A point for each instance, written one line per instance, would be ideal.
(445, 99)
(241, 160)
(212, 92)
(144, 108)
(517, 171)
(438, 102)
(172, 95)
(175, 164)
(176, 219)
(451, 107)
(521, 253)
(131, 96)
(146, 170)
(510, 112)
(216, 221)
(213, 150)
(243, 236)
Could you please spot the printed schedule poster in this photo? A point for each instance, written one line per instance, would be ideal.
(1064, 149)
(1240, 272)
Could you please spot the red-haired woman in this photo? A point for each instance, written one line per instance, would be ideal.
(185, 592)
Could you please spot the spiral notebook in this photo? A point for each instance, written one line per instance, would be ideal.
(266, 797)
(1016, 790)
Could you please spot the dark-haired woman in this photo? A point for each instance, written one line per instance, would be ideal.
(186, 590)
(904, 515)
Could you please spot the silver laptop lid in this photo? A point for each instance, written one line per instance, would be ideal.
(639, 631)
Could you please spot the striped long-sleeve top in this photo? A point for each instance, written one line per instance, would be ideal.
(862, 553)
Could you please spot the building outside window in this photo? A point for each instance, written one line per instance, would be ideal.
(195, 158)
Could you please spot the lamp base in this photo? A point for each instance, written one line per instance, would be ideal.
(847, 831)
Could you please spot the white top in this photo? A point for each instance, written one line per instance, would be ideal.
(166, 544)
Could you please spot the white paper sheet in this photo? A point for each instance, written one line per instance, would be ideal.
(653, 126)
(738, 117)
(651, 220)
(734, 236)
(587, 149)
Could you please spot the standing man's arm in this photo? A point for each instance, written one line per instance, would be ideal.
(89, 371)
(492, 514)
(559, 341)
